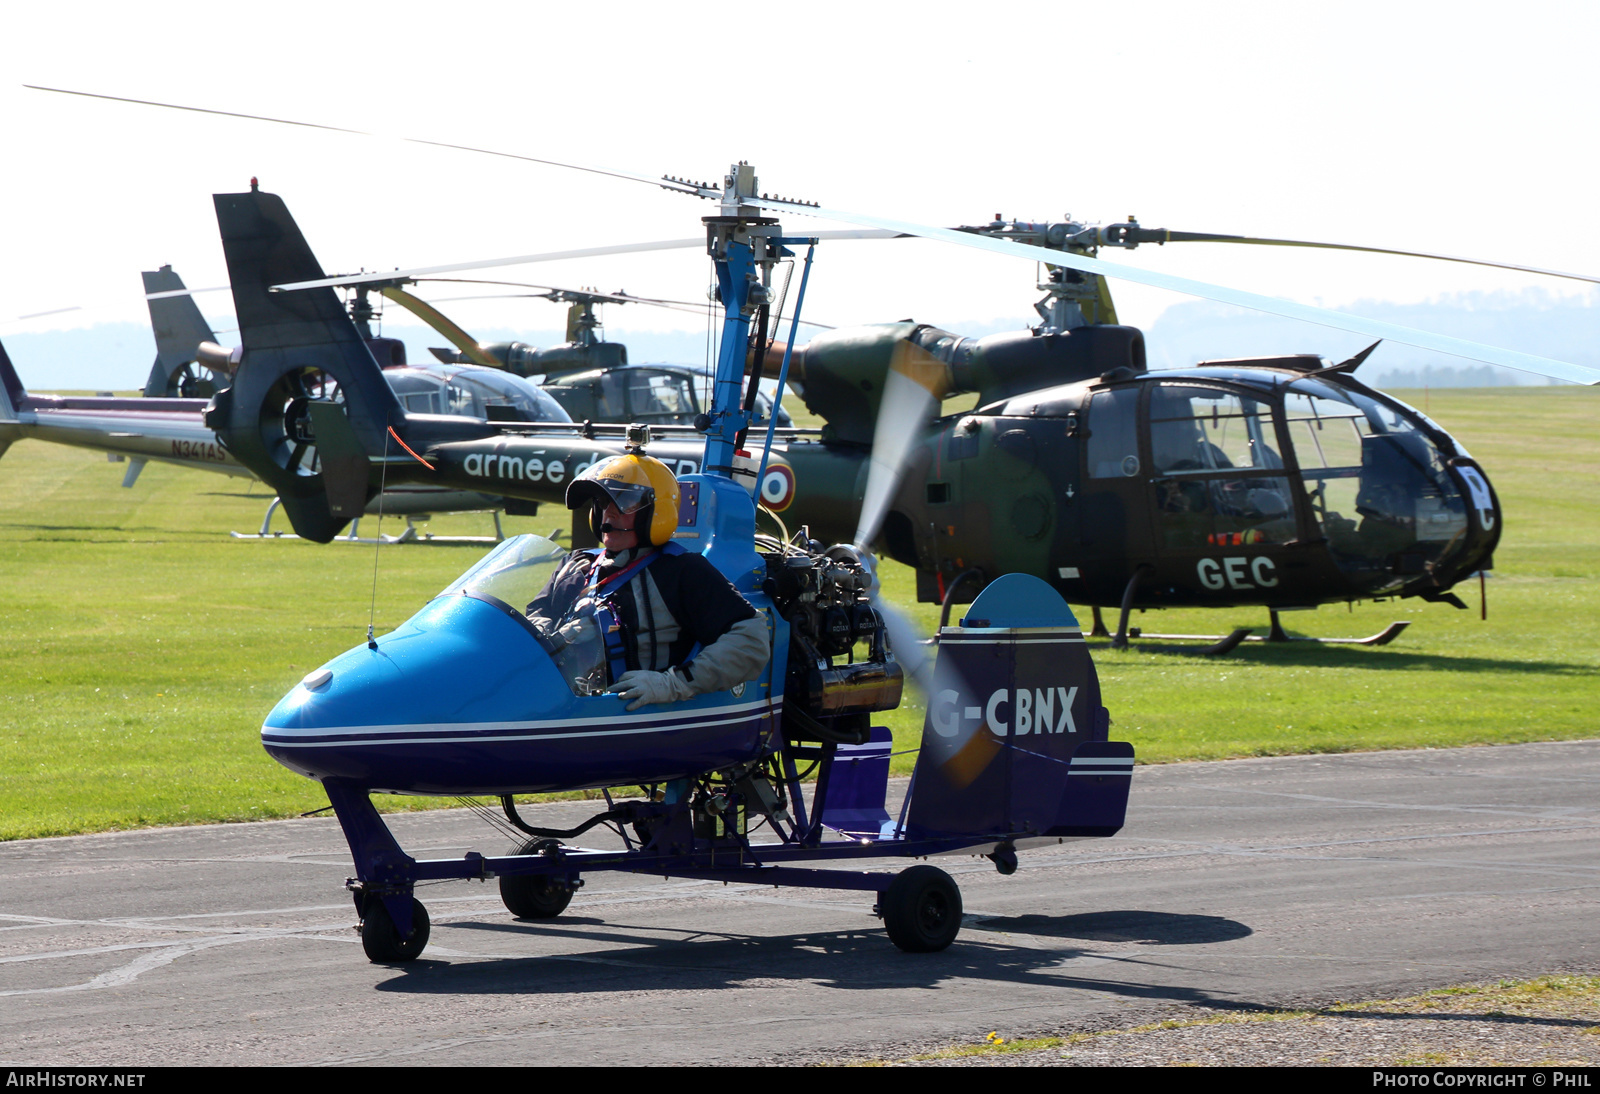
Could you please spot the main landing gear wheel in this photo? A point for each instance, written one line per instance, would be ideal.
(381, 938)
(922, 909)
(532, 896)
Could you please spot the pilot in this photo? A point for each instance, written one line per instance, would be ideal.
(673, 626)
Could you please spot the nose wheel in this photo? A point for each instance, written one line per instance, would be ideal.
(921, 909)
(382, 940)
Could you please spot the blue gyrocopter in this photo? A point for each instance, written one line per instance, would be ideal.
(465, 699)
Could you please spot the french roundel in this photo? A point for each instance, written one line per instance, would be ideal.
(777, 488)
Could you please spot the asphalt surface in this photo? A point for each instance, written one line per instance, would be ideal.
(1256, 883)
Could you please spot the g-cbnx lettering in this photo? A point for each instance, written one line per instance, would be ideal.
(1007, 713)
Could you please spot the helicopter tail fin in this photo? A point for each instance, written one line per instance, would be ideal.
(12, 393)
(1015, 740)
(179, 329)
(300, 349)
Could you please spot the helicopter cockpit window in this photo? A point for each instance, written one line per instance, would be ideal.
(1213, 452)
(1113, 448)
(417, 390)
(1377, 484)
(1208, 429)
(659, 394)
(470, 394)
(612, 406)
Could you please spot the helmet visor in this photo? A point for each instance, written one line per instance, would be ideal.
(626, 496)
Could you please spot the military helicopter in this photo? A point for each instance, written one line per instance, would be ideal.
(1283, 482)
(166, 424)
(468, 698)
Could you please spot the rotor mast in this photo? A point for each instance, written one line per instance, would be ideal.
(744, 245)
(1072, 298)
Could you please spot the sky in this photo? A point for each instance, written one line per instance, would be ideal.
(1459, 128)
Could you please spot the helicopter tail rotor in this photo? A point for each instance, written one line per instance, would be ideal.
(303, 365)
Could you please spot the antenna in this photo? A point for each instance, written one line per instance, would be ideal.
(377, 543)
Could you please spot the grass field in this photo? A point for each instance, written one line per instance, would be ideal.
(142, 646)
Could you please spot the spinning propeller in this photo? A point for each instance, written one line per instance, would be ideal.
(915, 384)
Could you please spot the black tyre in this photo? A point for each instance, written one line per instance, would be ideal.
(533, 896)
(381, 939)
(922, 909)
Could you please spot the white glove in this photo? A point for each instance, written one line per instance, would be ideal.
(644, 687)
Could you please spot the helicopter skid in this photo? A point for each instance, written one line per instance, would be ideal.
(410, 535)
(1225, 644)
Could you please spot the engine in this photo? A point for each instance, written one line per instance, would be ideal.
(823, 595)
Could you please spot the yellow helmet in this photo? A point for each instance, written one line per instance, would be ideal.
(634, 483)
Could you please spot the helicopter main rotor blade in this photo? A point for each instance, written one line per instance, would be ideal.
(1326, 317)
(599, 297)
(1455, 347)
(665, 183)
(42, 314)
(516, 260)
(1163, 235)
(441, 323)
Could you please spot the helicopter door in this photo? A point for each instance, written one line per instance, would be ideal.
(1218, 488)
(1377, 486)
(1112, 511)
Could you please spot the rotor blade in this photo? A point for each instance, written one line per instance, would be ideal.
(170, 293)
(437, 320)
(858, 233)
(912, 388)
(517, 260)
(608, 298)
(664, 183)
(618, 297)
(1162, 235)
(1456, 347)
(42, 314)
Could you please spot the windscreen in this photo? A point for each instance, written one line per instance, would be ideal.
(514, 572)
(1377, 485)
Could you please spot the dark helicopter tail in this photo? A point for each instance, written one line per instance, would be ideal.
(179, 329)
(12, 394)
(306, 379)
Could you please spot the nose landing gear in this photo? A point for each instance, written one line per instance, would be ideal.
(382, 940)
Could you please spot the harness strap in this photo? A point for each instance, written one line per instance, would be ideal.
(601, 590)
